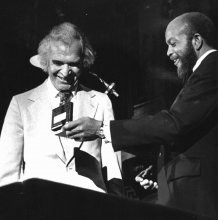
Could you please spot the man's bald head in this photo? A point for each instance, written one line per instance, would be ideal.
(195, 22)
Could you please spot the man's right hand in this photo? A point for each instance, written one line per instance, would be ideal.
(82, 129)
(144, 179)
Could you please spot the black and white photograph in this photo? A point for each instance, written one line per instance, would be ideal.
(109, 110)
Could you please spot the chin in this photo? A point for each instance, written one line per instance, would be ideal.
(64, 88)
(180, 75)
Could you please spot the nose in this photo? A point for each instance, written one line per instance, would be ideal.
(169, 50)
(65, 70)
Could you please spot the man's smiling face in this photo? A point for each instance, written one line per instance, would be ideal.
(64, 65)
(180, 48)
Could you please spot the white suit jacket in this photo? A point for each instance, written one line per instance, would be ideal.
(27, 137)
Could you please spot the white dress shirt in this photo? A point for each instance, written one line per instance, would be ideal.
(202, 58)
(68, 144)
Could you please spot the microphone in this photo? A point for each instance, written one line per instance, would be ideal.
(109, 87)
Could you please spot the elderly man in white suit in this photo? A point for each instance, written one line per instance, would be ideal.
(28, 146)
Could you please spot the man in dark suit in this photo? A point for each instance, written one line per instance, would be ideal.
(187, 133)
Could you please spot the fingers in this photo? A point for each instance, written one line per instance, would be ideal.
(146, 172)
(144, 179)
(82, 128)
(71, 125)
(149, 184)
(155, 186)
(79, 135)
(73, 129)
(149, 167)
(143, 174)
(138, 178)
(145, 182)
(74, 135)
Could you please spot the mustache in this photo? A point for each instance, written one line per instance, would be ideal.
(70, 76)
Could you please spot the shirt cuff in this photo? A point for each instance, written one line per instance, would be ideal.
(107, 132)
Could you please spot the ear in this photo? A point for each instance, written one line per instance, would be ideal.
(197, 41)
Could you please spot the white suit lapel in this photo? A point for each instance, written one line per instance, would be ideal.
(84, 105)
(41, 103)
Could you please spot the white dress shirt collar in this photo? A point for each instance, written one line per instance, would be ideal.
(53, 92)
(51, 89)
(202, 58)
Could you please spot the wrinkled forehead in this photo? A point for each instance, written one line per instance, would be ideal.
(59, 47)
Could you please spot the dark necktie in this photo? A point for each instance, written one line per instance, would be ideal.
(65, 97)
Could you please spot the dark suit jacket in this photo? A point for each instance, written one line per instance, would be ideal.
(188, 135)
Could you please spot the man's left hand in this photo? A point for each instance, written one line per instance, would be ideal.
(82, 129)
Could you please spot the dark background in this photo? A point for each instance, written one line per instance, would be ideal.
(128, 36)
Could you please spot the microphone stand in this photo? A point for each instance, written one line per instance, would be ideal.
(109, 87)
